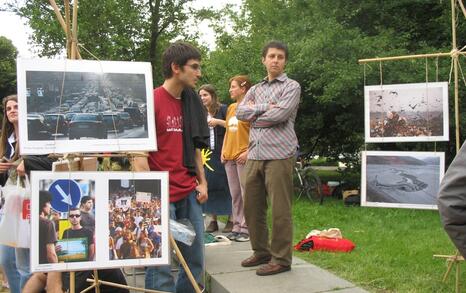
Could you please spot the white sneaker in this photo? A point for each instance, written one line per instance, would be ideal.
(242, 237)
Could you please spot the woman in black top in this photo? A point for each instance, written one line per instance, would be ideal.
(219, 202)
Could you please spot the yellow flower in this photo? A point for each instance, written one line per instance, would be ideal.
(206, 157)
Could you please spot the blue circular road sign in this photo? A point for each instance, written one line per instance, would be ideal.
(65, 195)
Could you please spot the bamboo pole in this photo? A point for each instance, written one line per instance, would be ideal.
(455, 74)
(184, 264)
(125, 287)
(418, 56)
(58, 14)
(63, 23)
(458, 276)
(462, 7)
(68, 29)
(74, 35)
(72, 282)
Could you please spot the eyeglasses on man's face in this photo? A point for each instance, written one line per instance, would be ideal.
(194, 66)
(74, 216)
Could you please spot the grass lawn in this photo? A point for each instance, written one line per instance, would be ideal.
(394, 247)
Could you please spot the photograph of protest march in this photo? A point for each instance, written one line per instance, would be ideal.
(66, 221)
(86, 105)
(401, 179)
(406, 112)
(135, 219)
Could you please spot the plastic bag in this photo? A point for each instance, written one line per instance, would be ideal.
(183, 231)
(15, 223)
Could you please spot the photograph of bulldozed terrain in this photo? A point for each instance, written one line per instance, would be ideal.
(401, 179)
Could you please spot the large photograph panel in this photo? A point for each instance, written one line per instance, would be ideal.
(131, 216)
(406, 112)
(95, 106)
(401, 179)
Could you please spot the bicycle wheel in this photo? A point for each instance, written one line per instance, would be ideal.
(312, 185)
(298, 185)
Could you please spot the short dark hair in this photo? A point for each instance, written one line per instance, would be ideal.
(74, 209)
(277, 45)
(84, 199)
(44, 198)
(179, 53)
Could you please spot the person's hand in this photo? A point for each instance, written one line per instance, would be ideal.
(212, 122)
(21, 170)
(4, 167)
(58, 248)
(202, 193)
(272, 105)
(242, 158)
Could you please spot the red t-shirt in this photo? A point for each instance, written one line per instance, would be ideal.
(169, 156)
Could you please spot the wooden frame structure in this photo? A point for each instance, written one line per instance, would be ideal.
(72, 52)
(454, 54)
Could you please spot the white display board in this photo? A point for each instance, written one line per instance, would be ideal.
(114, 230)
(401, 179)
(68, 106)
(406, 112)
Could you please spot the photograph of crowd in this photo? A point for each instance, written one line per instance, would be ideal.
(135, 219)
(85, 104)
(401, 179)
(407, 112)
(66, 231)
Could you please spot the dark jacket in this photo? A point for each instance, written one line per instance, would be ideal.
(452, 201)
(195, 128)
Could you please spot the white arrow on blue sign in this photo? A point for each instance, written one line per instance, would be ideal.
(65, 195)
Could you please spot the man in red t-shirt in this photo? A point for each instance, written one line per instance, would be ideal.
(187, 183)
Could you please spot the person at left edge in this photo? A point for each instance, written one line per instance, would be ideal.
(15, 261)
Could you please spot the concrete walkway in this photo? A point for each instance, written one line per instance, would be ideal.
(225, 274)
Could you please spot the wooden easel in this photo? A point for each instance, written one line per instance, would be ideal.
(72, 52)
(454, 55)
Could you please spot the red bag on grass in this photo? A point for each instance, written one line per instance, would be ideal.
(325, 244)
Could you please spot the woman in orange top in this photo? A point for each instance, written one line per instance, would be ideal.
(235, 154)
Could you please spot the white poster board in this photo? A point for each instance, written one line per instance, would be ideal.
(74, 248)
(406, 112)
(401, 179)
(68, 106)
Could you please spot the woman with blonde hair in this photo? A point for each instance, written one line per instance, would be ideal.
(235, 154)
(219, 200)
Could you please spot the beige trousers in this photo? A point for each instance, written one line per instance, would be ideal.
(273, 179)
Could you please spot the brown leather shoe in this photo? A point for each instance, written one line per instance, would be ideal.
(213, 226)
(271, 269)
(253, 261)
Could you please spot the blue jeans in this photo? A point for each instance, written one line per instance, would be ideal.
(8, 262)
(23, 265)
(160, 278)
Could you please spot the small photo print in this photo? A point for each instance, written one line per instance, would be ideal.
(66, 221)
(135, 219)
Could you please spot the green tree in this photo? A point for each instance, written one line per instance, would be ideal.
(326, 39)
(131, 30)
(8, 55)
